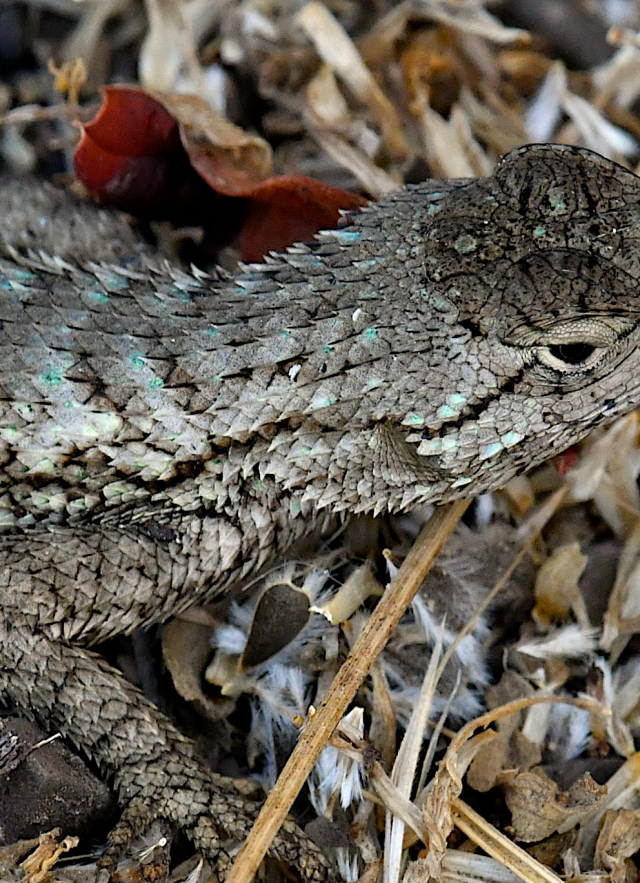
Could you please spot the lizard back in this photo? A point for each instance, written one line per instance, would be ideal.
(434, 346)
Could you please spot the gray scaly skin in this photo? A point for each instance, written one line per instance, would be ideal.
(163, 435)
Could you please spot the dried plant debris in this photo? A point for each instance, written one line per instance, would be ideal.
(495, 737)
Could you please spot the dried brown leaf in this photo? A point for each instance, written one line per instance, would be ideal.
(618, 840)
(538, 809)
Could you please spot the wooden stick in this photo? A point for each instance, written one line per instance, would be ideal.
(321, 725)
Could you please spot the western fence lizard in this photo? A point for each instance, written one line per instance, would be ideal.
(164, 434)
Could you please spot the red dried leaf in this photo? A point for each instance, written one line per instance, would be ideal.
(174, 157)
(565, 461)
(130, 156)
(290, 209)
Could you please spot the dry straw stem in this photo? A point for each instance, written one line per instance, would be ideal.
(319, 728)
(500, 847)
(447, 784)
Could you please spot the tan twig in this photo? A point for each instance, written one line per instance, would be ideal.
(319, 728)
(500, 847)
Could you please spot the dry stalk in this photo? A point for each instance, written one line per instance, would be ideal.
(319, 728)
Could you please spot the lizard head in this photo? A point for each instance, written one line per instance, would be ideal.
(535, 272)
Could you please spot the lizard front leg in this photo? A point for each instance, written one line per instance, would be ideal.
(52, 585)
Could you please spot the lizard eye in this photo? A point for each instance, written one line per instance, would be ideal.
(572, 353)
(573, 357)
(573, 346)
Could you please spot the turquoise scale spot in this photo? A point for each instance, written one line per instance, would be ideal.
(286, 334)
(24, 275)
(327, 350)
(53, 377)
(6, 285)
(156, 383)
(490, 450)
(370, 333)
(98, 297)
(414, 420)
(117, 282)
(347, 236)
(539, 231)
(444, 412)
(137, 361)
(510, 439)
(456, 399)
(465, 244)
(212, 332)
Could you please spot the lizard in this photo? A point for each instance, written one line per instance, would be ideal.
(164, 434)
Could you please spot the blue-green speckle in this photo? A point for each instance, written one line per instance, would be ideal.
(556, 198)
(116, 282)
(465, 244)
(347, 236)
(509, 439)
(430, 447)
(370, 333)
(54, 376)
(490, 450)
(97, 296)
(322, 400)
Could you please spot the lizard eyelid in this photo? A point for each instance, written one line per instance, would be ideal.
(571, 356)
(589, 330)
(573, 345)
(576, 346)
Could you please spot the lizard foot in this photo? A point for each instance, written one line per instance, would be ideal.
(209, 809)
(152, 765)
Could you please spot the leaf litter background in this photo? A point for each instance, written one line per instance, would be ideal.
(230, 108)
